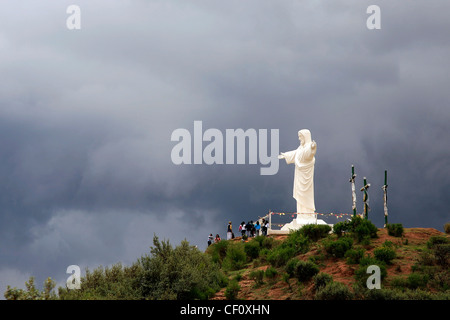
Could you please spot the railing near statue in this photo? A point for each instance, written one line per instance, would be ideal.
(278, 219)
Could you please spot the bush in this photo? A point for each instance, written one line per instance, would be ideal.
(440, 280)
(385, 294)
(294, 244)
(315, 231)
(341, 227)
(251, 249)
(447, 228)
(334, 291)
(183, 272)
(442, 254)
(426, 258)
(362, 229)
(218, 251)
(365, 231)
(291, 266)
(354, 255)
(267, 243)
(298, 241)
(280, 256)
(235, 258)
(416, 280)
(232, 290)
(436, 240)
(384, 254)
(339, 247)
(257, 276)
(321, 280)
(395, 229)
(271, 273)
(305, 270)
(399, 282)
(31, 292)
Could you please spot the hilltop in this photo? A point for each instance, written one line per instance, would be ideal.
(416, 269)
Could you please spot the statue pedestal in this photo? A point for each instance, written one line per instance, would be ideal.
(301, 220)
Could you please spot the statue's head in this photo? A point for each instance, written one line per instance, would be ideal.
(304, 136)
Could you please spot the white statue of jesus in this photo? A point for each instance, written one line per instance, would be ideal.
(303, 193)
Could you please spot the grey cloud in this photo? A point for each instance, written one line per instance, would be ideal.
(86, 119)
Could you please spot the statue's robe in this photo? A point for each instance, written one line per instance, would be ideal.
(303, 191)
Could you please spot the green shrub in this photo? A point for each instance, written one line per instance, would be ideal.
(294, 244)
(440, 280)
(388, 244)
(447, 228)
(419, 294)
(436, 240)
(181, 272)
(218, 251)
(354, 255)
(395, 229)
(399, 282)
(317, 258)
(252, 249)
(260, 240)
(298, 241)
(339, 247)
(31, 292)
(280, 256)
(384, 294)
(257, 276)
(267, 242)
(321, 280)
(334, 291)
(442, 254)
(232, 290)
(362, 229)
(384, 254)
(365, 231)
(290, 266)
(426, 258)
(416, 280)
(305, 270)
(235, 258)
(315, 231)
(341, 227)
(271, 273)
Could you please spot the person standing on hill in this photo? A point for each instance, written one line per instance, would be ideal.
(229, 231)
(249, 228)
(242, 228)
(264, 227)
(257, 228)
(210, 239)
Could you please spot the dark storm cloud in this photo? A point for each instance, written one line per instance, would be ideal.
(86, 119)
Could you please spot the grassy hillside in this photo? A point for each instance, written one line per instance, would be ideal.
(314, 262)
(414, 265)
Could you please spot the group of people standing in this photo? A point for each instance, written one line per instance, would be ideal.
(248, 229)
(212, 240)
(251, 229)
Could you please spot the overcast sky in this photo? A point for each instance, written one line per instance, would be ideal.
(86, 118)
